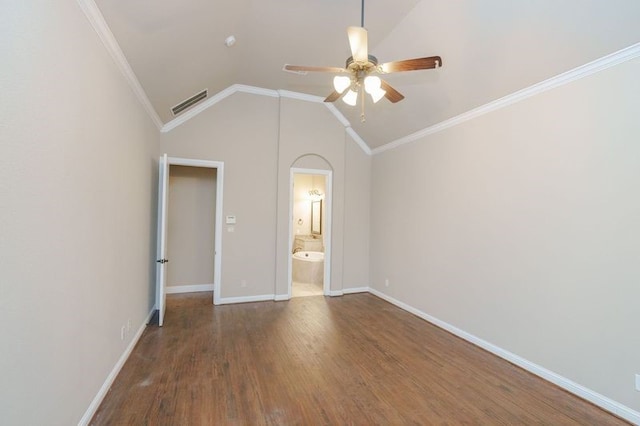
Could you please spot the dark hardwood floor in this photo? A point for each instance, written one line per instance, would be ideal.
(351, 360)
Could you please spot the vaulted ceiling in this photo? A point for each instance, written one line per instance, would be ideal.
(490, 48)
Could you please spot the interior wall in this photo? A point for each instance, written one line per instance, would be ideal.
(357, 217)
(78, 184)
(242, 132)
(191, 226)
(310, 128)
(521, 228)
(259, 138)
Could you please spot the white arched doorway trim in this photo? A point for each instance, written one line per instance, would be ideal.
(328, 175)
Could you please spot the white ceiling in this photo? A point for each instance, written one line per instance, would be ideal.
(490, 48)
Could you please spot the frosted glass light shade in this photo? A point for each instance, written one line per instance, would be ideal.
(350, 98)
(341, 82)
(372, 83)
(377, 94)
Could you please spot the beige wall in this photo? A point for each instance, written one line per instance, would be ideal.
(259, 139)
(310, 128)
(242, 132)
(521, 228)
(357, 217)
(191, 226)
(78, 178)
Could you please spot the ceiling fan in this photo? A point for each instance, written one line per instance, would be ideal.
(361, 69)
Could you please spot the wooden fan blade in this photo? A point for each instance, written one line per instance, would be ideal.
(392, 94)
(412, 64)
(302, 68)
(334, 96)
(358, 43)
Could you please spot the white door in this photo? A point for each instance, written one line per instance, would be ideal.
(161, 275)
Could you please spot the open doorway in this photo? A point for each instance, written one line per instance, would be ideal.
(166, 164)
(309, 232)
(191, 229)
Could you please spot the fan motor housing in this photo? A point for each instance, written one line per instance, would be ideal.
(356, 66)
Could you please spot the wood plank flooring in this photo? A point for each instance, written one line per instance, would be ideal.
(351, 360)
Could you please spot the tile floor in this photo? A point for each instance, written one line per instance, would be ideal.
(299, 289)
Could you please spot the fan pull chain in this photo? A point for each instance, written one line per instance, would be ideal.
(362, 117)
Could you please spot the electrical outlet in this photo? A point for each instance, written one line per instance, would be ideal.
(122, 331)
(638, 382)
(129, 325)
(386, 282)
(243, 283)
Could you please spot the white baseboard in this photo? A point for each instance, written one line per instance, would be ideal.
(247, 299)
(355, 290)
(332, 293)
(569, 385)
(579, 390)
(189, 288)
(335, 293)
(93, 407)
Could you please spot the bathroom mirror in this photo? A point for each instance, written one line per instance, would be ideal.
(316, 217)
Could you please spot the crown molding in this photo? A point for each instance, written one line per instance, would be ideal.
(336, 112)
(361, 143)
(223, 94)
(189, 114)
(317, 99)
(256, 90)
(95, 18)
(588, 69)
(93, 14)
(300, 96)
(209, 102)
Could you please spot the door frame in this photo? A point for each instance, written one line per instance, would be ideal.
(328, 208)
(217, 263)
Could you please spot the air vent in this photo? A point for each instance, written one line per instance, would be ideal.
(189, 102)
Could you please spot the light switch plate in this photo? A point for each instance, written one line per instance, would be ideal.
(231, 219)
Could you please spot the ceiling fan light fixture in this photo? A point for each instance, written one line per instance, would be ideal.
(361, 68)
(341, 83)
(372, 83)
(351, 98)
(377, 94)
